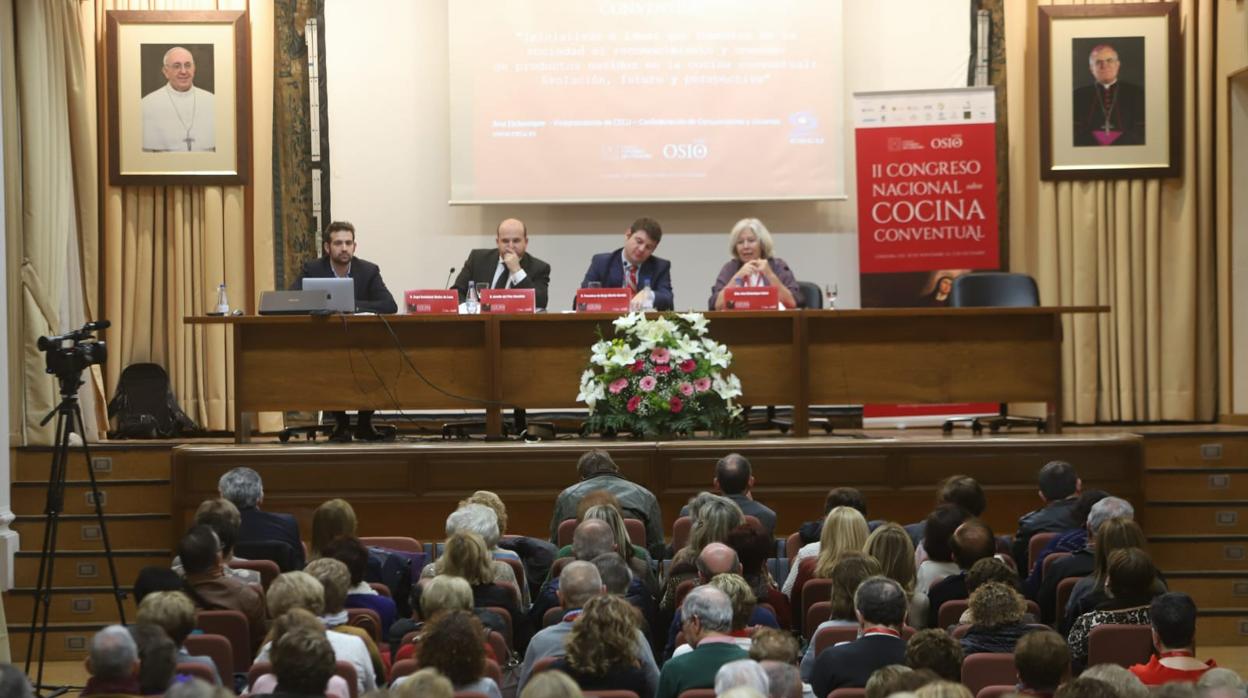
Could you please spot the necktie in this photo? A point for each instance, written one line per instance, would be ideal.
(632, 276)
(503, 278)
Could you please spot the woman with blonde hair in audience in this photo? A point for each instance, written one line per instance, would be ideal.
(1132, 586)
(944, 689)
(466, 556)
(439, 595)
(713, 518)
(426, 683)
(331, 519)
(481, 520)
(551, 684)
(851, 570)
(844, 529)
(892, 546)
(296, 620)
(335, 580)
(998, 611)
(602, 649)
(453, 646)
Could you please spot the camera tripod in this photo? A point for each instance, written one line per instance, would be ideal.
(68, 420)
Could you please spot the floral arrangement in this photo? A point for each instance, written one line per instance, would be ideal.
(660, 377)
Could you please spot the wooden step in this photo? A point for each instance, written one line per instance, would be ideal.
(88, 568)
(1222, 627)
(137, 462)
(1195, 451)
(116, 497)
(1213, 589)
(1196, 485)
(66, 641)
(82, 531)
(70, 605)
(1199, 552)
(1193, 518)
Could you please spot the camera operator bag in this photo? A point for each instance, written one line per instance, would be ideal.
(145, 407)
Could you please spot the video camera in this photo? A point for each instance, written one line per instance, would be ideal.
(74, 351)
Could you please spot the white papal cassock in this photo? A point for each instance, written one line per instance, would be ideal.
(179, 121)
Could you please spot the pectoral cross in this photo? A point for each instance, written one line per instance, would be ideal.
(189, 140)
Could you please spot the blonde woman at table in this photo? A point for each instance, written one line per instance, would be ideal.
(752, 264)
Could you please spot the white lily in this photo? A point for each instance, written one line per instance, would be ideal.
(697, 321)
(600, 352)
(726, 387)
(626, 321)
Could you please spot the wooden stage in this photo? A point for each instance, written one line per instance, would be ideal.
(408, 488)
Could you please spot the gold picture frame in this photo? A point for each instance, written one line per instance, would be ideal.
(179, 97)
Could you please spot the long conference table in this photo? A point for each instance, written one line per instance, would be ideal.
(496, 362)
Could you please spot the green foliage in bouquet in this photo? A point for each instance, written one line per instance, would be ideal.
(661, 377)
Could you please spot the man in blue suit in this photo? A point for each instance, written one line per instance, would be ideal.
(634, 266)
(243, 487)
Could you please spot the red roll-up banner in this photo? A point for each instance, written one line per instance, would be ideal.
(927, 205)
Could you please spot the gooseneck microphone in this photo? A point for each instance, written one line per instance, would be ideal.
(448, 278)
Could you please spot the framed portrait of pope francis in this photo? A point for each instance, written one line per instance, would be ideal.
(179, 97)
(1111, 91)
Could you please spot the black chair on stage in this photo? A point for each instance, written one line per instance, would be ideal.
(994, 290)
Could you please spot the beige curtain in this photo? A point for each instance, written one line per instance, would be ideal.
(1143, 247)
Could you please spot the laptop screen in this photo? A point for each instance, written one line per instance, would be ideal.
(341, 292)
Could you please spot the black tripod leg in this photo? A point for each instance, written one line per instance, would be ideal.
(118, 595)
(47, 560)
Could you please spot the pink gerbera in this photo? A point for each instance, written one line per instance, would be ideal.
(647, 383)
(660, 355)
(702, 385)
(675, 404)
(638, 366)
(618, 385)
(633, 402)
(663, 369)
(688, 365)
(686, 389)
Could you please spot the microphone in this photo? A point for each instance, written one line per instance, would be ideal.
(448, 278)
(97, 325)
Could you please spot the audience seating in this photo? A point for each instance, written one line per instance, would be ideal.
(215, 646)
(981, 670)
(1123, 645)
(564, 536)
(812, 591)
(515, 591)
(1064, 589)
(381, 589)
(470, 694)
(848, 693)
(233, 626)
(611, 694)
(494, 671)
(341, 668)
(557, 567)
(698, 693)
(367, 619)
(517, 569)
(791, 545)
(403, 667)
(552, 616)
(1036, 544)
(816, 614)
(544, 663)
(680, 532)
(510, 634)
(498, 643)
(636, 532)
(401, 543)
(996, 691)
(198, 671)
(267, 568)
(830, 636)
(1049, 560)
(683, 589)
(276, 551)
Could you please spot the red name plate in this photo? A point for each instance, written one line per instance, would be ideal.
(509, 300)
(603, 300)
(432, 301)
(752, 298)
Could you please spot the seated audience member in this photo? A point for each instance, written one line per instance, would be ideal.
(1124, 683)
(352, 553)
(1042, 660)
(783, 680)
(598, 472)
(636, 557)
(936, 650)
(618, 579)
(1175, 689)
(578, 583)
(426, 683)
(335, 580)
(1173, 616)
(810, 531)
(962, 491)
(466, 556)
(441, 594)
(742, 673)
(1082, 562)
(897, 678)
(880, 604)
(1132, 580)
(852, 569)
(943, 689)
(242, 486)
(333, 518)
(635, 267)
(303, 661)
(157, 658)
(716, 561)
(301, 591)
(603, 649)
(935, 550)
(483, 521)
(734, 479)
(453, 646)
(754, 546)
(537, 555)
(706, 621)
(991, 569)
(1068, 542)
(113, 663)
(714, 517)
(174, 612)
(752, 264)
(844, 529)
(13, 682)
(552, 684)
(998, 612)
(1059, 490)
(744, 607)
(592, 539)
(1085, 688)
(1087, 594)
(298, 620)
(195, 688)
(971, 542)
(223, 518)
(892, 547)
(211, 589)
(773, 644)
(152, 579)
(1221, 683)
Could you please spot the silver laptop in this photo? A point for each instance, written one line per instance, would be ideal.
(341, 292)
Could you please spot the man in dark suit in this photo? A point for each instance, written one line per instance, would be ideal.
(880, 604)
(971, 542)
(735, 478)
(1059, 490)
(1109, 111)
(635, 267)
(507, 266)
(371, 295)
(242, 486)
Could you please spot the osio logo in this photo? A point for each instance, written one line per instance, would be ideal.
(685, 151)
(947, 142)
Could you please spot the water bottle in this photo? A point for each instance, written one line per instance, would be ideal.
(223, 304)
(472, 305)
(647, 299)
